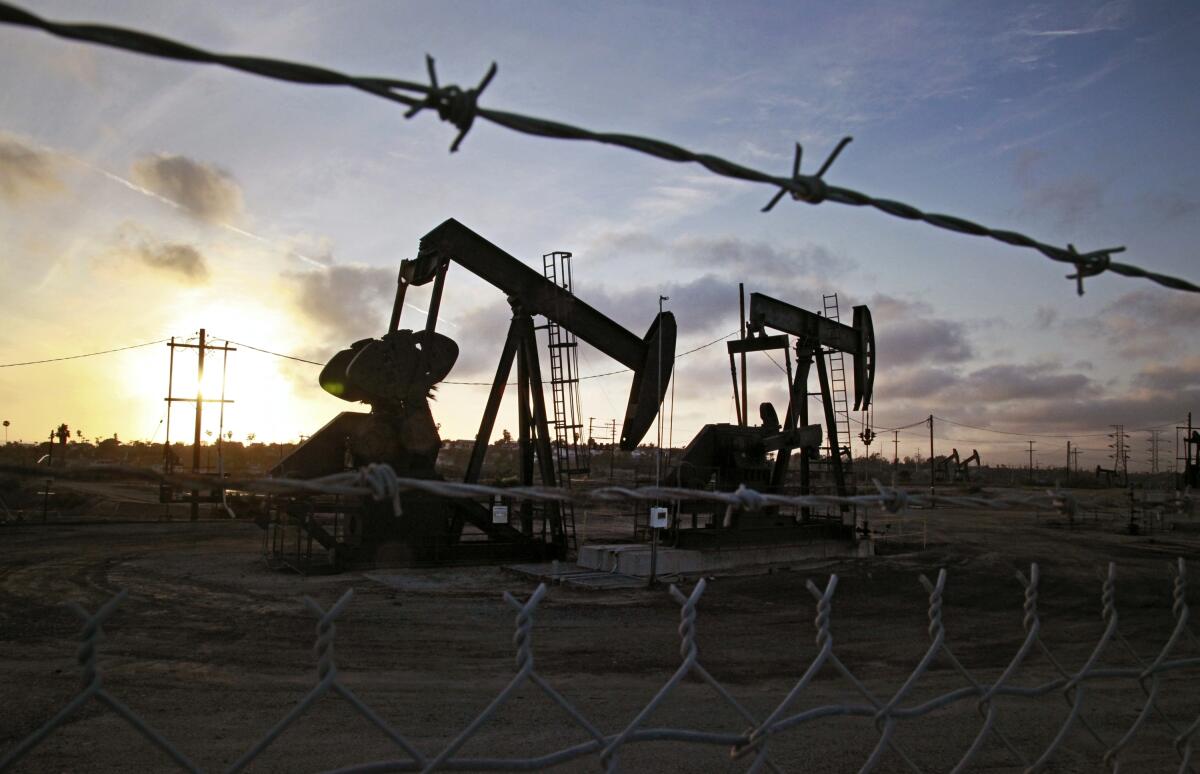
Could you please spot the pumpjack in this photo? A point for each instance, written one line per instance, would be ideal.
(950, 468)
(1107, 475)
(394, 375)
(1190, 477)
(725, 456)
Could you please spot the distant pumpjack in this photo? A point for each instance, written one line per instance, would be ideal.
(726, 456)
(1107, 475)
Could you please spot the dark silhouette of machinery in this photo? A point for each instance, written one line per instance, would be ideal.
(1107, 475)
(726, 456)
(1191, 459)
(950, 468)
(964, 467)
(395, 374)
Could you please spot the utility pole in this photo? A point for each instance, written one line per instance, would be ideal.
(895, 455)
(200, 400)
(612, 449)
(1068, 461)
(742, 330)
(1120, 451)
(658, 453)
(1152, 446)
(1031, 461)
(195, 513)
(931, 463)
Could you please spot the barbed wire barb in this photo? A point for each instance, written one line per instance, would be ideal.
(1090, 264)
(814, 182)
(452, 103)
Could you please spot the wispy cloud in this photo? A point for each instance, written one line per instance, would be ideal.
(26, 171)
(204, 191)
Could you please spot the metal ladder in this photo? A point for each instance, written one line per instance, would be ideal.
(564, 394)
(837, 387)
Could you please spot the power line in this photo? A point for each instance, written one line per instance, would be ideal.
(1047, 435)
(480, 384)
(891, 429)
(86, 354)
(460, 107)
(276, 354)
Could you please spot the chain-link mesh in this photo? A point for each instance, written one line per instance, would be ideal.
(751, 741)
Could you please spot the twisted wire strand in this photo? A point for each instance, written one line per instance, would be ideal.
(380, 482)
(460, 107)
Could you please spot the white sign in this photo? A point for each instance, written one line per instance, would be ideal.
(658, 518)
(499, 514)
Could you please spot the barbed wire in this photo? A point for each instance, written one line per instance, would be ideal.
(380, 482)
(460, 108)
(752, 739)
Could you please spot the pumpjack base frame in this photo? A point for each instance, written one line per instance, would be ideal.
(321, 534)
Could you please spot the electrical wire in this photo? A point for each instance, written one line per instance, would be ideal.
(86, 354)
(476, 384)
(276, 354)
(1049, 435)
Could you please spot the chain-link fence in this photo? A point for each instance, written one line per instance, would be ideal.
(1151, 687)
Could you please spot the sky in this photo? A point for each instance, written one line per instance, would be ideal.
(143, 199)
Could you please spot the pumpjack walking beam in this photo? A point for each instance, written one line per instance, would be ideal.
(530, 293)
(453, 242)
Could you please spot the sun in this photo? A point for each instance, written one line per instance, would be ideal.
(263, 390)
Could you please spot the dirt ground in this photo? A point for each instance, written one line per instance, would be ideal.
(212, 648)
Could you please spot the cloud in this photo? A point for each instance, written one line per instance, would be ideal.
(685, 194)
(746, 258)
(1044, 317)
(1143, 323)
(907, 333)
(1172, 205)
(1170, 377)
(1016, 382)
(701, 306)
(1133, 409)
(132, 242)
(914, 382)
(206, 192)
(349, 301)
(25, 171)
(1070, 200)
(920, 341)
(176, 258)
(1109, 17)
(484, 330)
